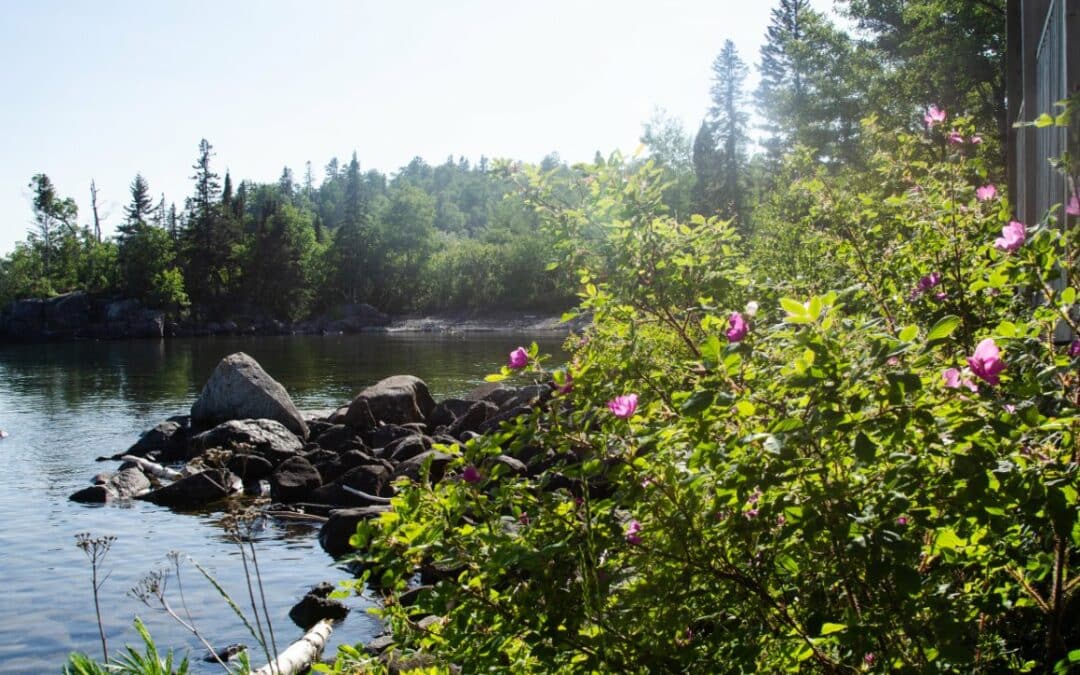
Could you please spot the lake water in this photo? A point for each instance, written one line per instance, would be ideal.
(66, 404)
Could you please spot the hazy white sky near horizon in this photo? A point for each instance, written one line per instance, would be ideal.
(107, 89)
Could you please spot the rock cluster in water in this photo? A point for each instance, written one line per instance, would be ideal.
(245, 436)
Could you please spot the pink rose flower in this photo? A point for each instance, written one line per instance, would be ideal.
(934, 116)
(1012, 237)
(986, 192)
(737, 327)
(519, 358)
(632, 533)
(955, 138)
(623, 406)
(471, 475)
(986, 362)
(1073, 207)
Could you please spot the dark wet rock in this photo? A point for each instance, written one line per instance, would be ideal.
(447, 411)
(476, 415)
(240, 389)
(95, 494)
(257, 488)
(323, 589)
(338, 416)
(264, 437)
(195, 490)
(491, 391)
(385, 434)
(529, 395)
(341, 526)
(491, 424)
(413, 595)
(293, 479)
(406, 448)
(314, 608)
(250, 467)
(379, 644)
(358, 416)
(337, 437)
(225, 653)
(372, 479)
(316, 427)
(168, 441)
(414, 466)
(396, 400)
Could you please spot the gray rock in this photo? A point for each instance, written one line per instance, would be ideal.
(358, 416)
(379, 645)
(293, 479)
(337, 437)
(396, 400)
(129, 483)
(492, 391)
(168, 439)
(95, 494)
(341, 526)
(195, 490)
(240, 389)
(267, 438)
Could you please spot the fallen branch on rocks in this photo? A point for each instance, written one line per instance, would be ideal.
(370, 497)
(293, 515)
(299, 656)
(153, 468)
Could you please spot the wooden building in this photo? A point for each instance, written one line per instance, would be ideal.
(1043, 64)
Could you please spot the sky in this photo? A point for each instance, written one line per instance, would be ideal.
(104, 90)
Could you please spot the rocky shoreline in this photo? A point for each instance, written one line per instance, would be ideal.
(246, 442)
(84, 316)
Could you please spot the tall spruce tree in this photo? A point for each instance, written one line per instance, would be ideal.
(807, 91)
(354, 241)
(706, 159)
(206, 249)
(729, 119)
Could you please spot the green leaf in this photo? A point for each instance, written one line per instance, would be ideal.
(793, 307)
(865, 449)
(908, 333)
(494, 377)
(1043, 120)
(830, 628)
(699, 401)
(943, 328)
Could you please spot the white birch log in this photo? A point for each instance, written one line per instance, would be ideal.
(301, 654)
(153, 468)
(375, 499)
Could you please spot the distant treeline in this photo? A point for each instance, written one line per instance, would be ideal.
(458, 236)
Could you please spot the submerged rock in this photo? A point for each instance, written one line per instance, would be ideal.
(239, 388)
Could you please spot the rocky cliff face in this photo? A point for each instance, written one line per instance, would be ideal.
(79, 315)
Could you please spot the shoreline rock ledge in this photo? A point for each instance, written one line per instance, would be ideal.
(239, 389)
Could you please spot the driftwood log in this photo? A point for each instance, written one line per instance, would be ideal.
(299, 656)
(153, 468)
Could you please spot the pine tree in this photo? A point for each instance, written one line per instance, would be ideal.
(353, 242)
(207, 247)
(728, 119)
(706, 159)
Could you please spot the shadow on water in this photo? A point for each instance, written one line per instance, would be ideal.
(65, 404)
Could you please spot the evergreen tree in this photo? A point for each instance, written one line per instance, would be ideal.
(706, 159)
(54, 218)
(728, 119)
(207, 245)
(353, 243)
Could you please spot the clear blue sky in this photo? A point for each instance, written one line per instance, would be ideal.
(106, 89)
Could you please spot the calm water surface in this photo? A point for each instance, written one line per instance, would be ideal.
(66, 404)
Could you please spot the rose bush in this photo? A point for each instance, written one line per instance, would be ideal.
(882, 477)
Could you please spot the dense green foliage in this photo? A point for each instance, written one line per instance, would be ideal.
(865, 461)
(450, 237)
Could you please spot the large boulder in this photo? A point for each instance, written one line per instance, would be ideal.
(396, 400)
(267, 438)
(240, 389)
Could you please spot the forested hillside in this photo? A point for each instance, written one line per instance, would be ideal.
(457, 236)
